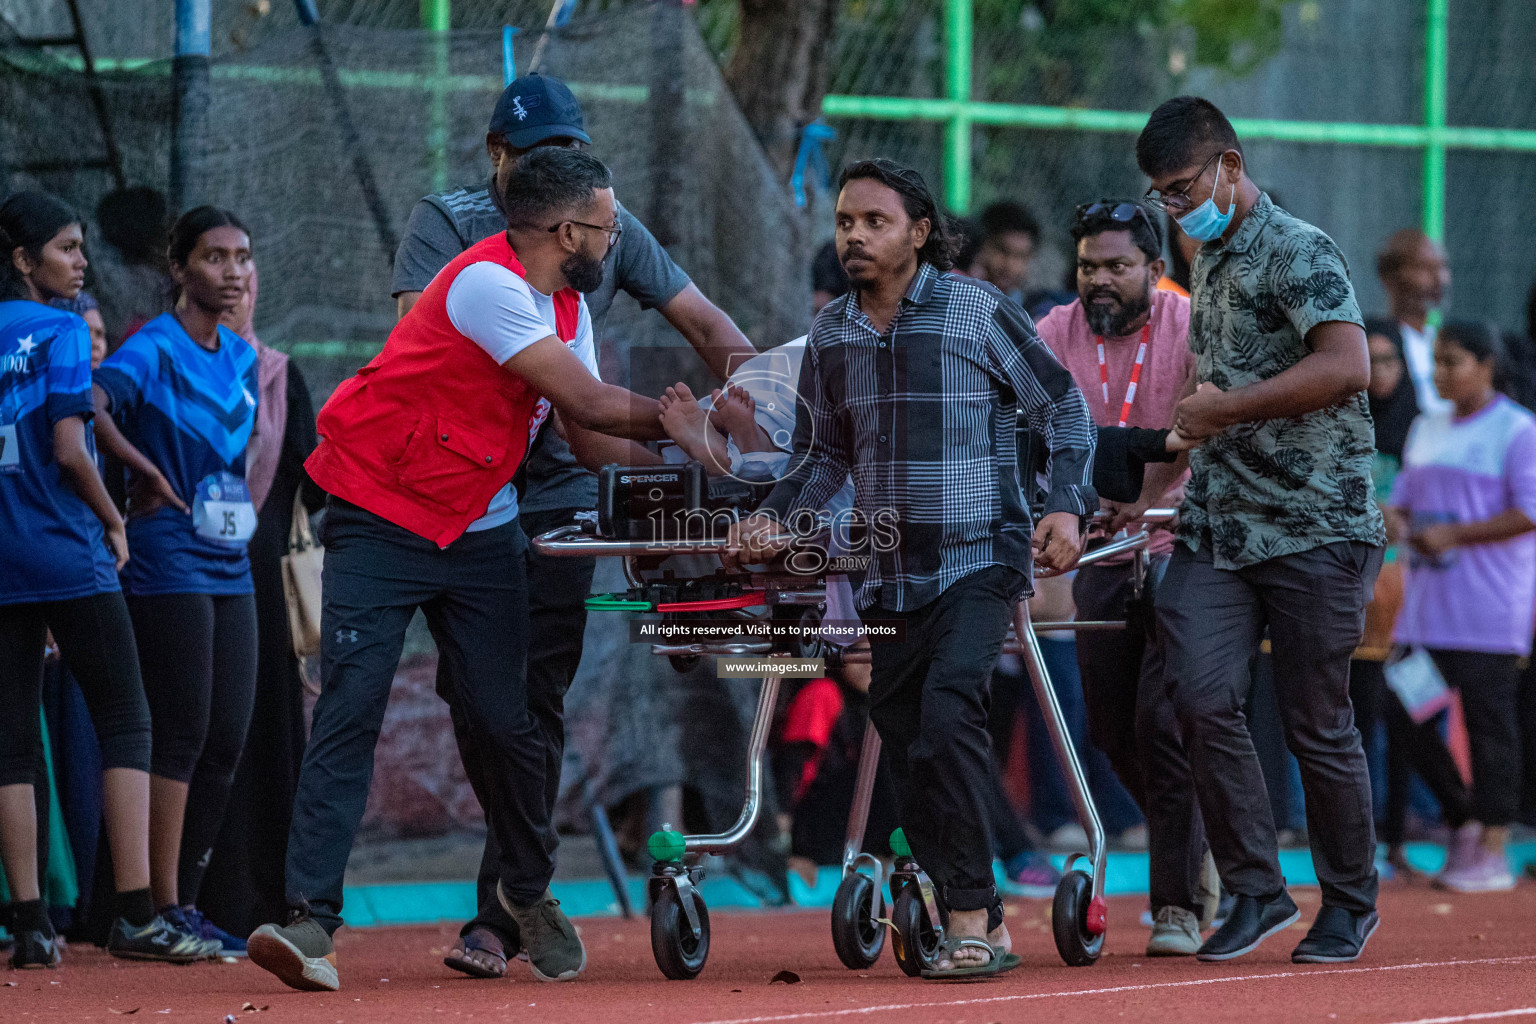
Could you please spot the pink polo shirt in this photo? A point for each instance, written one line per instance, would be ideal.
(1165, 373)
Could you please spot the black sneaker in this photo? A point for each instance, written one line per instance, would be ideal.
(159, 940)
(1249, 923)
(1336, 937)
(300, 953)
(33, 949)
(555, 951)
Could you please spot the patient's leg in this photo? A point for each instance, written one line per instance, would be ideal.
(687, 424)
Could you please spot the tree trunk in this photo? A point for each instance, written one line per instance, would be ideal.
(778, 72)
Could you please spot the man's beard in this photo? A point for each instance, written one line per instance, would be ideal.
(582, 272)
(1113, 321)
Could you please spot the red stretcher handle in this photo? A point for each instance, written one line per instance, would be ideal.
(750, 599)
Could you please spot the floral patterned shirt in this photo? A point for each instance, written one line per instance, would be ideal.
(1275, 487)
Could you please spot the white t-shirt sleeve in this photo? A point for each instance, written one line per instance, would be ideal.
(495, 309)
(583, 345)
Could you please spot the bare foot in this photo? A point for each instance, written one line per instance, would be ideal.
(687, 424)
(735, 412)
(999, 937)
(479, 954)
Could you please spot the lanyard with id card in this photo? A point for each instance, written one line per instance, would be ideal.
(222, 511)
(1413, 676)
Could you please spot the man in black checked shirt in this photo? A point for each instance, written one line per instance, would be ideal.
(913, 383)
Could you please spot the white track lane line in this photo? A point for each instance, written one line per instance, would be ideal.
(1111, 990)
(1527, 1011)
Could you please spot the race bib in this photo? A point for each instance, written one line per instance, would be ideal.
(10, 452)
(222, 511)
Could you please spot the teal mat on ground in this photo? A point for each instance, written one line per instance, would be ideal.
(431, 902)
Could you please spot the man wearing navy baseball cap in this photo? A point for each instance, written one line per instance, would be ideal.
(537, 110)
(534, 110)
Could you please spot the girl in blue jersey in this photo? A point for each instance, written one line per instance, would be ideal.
(182, 391)
(63, 543)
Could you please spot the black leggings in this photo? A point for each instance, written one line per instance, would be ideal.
(1488, 685)
(198, 653)
(96, 642)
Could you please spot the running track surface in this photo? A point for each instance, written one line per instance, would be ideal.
(1437, 958)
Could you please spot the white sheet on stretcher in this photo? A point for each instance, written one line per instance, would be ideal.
(772, 378)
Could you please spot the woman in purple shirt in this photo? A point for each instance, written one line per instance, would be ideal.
(1465, 501)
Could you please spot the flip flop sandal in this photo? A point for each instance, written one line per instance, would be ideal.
(999, 962)
(478, 941)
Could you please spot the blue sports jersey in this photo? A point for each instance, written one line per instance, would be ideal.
(191, 412)
(51, 545)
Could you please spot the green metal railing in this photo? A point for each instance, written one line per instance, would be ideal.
(960, 113)
(435, 19)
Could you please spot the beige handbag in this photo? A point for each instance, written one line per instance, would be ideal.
(301, 582)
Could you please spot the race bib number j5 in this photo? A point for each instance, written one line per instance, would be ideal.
(10, 453)
(222, 511)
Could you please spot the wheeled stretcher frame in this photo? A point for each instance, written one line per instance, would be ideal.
(680, 931)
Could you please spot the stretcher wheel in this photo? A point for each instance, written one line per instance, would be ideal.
(856, 934)
(679, 954)
(913, 941)
(1077, 943)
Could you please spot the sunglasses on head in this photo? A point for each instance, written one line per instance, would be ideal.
(1120, 213)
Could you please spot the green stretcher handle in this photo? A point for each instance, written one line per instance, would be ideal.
(617, 603)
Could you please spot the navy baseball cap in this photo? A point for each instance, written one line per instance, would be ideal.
(534, 108)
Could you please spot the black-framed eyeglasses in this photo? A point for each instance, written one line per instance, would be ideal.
(1179, 199)
(613, 233)
(1120, 213)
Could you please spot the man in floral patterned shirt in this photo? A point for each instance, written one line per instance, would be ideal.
(1279, 528)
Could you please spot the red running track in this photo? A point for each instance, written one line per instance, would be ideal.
(1437, 957)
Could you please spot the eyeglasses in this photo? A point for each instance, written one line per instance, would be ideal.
(613, 233)
(1179, 199)
(1120, 213)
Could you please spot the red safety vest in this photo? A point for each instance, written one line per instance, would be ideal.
(427, 433)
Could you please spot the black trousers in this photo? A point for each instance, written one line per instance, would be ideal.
(198, 655)
(1489, 685)
(1131, 719)
(1527, 700)
(929, 697)
(557, 621)
(475, 597)
(1212, 621)
(95, 640)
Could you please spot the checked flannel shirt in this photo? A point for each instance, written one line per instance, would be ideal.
(924, 418)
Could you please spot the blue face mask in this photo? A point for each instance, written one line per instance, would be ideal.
(1205, 222)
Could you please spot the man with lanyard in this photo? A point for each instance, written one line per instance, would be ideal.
(1415, 276)
(537, 111)
(418, 456)
(1124, 342)
(1279, 530)
(914, 382)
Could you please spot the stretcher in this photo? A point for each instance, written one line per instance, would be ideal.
(680, 930)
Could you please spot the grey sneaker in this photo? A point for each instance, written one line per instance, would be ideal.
(555, 951)
(1175, 932)
(300, 953)
(1210, 891)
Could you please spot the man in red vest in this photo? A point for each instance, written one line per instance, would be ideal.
(418, 454)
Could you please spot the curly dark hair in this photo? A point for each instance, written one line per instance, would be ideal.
(943, 244)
